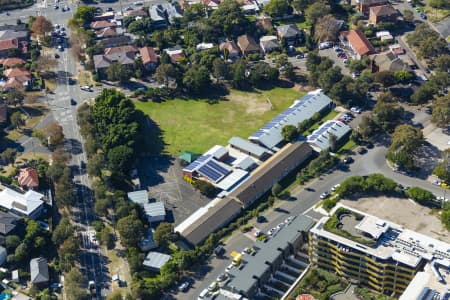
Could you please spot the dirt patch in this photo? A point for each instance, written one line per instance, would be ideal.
(403, 212)
(252, 103)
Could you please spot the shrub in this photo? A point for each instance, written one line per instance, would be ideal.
(420, 195)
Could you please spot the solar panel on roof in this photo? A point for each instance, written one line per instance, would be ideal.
(218, 167)
(197, 162)
(210, 173)
(258, 133)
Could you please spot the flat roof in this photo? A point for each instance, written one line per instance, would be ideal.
(139, 197)
(402, 245)
(247, 146)
(155, 260)
(373, 226)
(232, 179)
(155, 209)
(244, 162)
(255, 266)
(217, 151)
(24, 203)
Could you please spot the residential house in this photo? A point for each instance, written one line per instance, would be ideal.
(105, 32)
(28, 178)
(107, 16)
(164, 14)
(212, 4)
(39, 272)
(12, 62)
(291, 34)
(7, 45)
(357, 42)
(7, 223)
(388, 62)
(29, 204)
(114, 41)
(264, 23)
(148, 57)
(250, 7)
(175, 53)
(97, 25)
(3, 113)
(154, 261)
(247, 45)
(231, 48)
(385, 13)
(17, 78)
(19, 35)
(269, 43)
(155, 212)
(123, 55)
(137, 13)
(364, 5)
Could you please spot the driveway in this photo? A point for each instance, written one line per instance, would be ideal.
(331, 54)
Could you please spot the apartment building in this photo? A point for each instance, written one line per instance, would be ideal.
(373, 252)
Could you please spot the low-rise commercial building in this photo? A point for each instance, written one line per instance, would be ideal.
(319, 139)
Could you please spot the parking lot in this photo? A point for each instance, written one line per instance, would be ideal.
(162, 177)
(333, 55)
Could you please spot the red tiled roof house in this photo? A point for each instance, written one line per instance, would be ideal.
(357, 42)
(148, 57)
(28, 177)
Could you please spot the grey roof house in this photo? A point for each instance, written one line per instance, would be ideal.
(39, 271)
(154, 261)
(291, 34)
(155, 212)
(269, 43)
(164, 14)
(7, 223)
(103, 61)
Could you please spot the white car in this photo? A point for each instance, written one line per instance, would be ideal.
(137, 3)
(356, 109)
(335, 187)
(258, 233)
(324, 195)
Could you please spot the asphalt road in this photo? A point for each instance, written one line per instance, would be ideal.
(302, 203)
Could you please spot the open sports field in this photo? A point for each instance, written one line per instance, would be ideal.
(196, 125)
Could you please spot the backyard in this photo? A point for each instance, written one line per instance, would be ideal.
(196, 125)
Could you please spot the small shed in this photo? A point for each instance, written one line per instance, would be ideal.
(15, 276)
(139, 197)
(155, 212)
(188, 156)
(154, 261)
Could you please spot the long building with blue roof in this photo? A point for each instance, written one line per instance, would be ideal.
(304, 108)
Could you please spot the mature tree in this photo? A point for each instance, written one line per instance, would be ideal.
(423, 94)
(120, 159)
(332, 141)
(368, 127)
(316, 10)
(403, 77)
(276, 189)
(442, 170)
(428, 42)
(45, 64)
(101, 206)
(228, 20)
(406, 141)
(17, 119)
(83, 16)
(164, 234)
(387, 115)
(54, 133)
(197, 79)
(95, 164)
(358, 65)
(131, 230)
(420, 195)
(239, 78)
(408, 15)
(41, 26)
(300, 5)
(441, 111)
(9, 155)
(445, 218)
(15, 97)
(68, 253)
(442, 63)
(326, 28)
(12, 241)
(386, 78)
(75, 285)
(329, 78)
(439, 4)
(165, 72)
(220, 69)
(277, 8)
(289, 133)
(119, 72)
(107, 238)
(62, 231)
(262, 72)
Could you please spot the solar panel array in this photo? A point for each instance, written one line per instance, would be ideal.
(283, 115)
(197, 163)
(213, 170)
(318, 132)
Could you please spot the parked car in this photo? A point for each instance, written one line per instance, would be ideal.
(324, 195)
(348, 160)
(356, 109)
(73, 102)
(260, 219)
(325, 45)
(56, 55)
(184, 286)
(258, 233)
(300, 56)
(334, 188)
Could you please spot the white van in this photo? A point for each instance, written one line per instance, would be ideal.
(203, 294)
(137, 3)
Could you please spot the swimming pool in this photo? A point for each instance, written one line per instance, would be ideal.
(5, 296)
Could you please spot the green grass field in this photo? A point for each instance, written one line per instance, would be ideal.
(196, 126)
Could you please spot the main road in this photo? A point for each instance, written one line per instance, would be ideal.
(302, 202)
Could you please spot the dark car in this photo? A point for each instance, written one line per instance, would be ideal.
(219, 251)
(260, 219)
(73, 102)
(56, 55)
(184, 286)
(348, 160)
